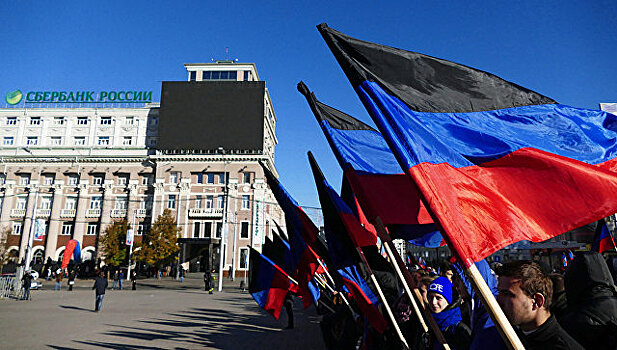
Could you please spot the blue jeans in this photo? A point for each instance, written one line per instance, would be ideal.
(120, 284)
(58, 286)
(114, 284)
(26, 294)
(98, 304)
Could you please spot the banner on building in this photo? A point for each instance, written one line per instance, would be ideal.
(129, 237)
(39, 229)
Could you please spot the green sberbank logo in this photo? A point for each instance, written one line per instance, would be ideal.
(14, 97)
(112, 96)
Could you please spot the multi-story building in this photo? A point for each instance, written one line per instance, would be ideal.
(80, 168)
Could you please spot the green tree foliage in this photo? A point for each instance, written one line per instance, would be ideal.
(113, 243)
(160, 245)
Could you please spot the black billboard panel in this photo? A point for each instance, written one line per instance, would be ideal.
(211, 114)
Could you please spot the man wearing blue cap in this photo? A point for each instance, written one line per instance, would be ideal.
(447, 315)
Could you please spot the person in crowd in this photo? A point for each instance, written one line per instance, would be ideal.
(59, 276)
(446, 270)
(289, 308)
(560, 302)
(208, 281)
(181, 273)
(134, 280)
(447, 315)
(26, 283)
(100, 284)
(71, 281)
(591, 316)
(423, 285)
(120, 278)
(114, 277)
(525, 294)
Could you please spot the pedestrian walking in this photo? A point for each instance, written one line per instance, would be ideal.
(26, 282)
(134, 280)
(58, 280)
(208, 281)
(100, 284)
(71, 280)
(120, 279)
(181, 275)
(114, 277)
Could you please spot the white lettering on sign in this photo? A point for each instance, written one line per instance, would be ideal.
(436, 287)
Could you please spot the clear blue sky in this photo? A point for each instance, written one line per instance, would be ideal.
(566, 50)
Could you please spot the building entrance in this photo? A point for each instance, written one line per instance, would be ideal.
(201, 253)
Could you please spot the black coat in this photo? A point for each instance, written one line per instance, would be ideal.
(100, 284)
(551, 336)
(591, 316)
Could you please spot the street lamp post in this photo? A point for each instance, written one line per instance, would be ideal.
(224, 225)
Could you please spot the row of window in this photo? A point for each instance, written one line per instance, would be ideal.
(58, 121)
(68, 228)
(77, 141)
(95, 203)
(210, 178)
(221, 75)
(73, 179)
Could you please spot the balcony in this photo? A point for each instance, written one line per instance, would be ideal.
(93, 213)
(141, 213)
(67, 213)
(205, 212)
(43, 213)
(18, 213)
(118, 213)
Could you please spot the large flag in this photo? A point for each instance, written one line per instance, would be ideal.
(497, 163)
(268, 283)
(344, 236)
(603, 239)
(279, 252)
(373, 175)
(299, 228)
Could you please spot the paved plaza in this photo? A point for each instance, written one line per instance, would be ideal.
(160, 314)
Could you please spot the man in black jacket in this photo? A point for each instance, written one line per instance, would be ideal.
(100, 284)
(591, 316)
(525, 294)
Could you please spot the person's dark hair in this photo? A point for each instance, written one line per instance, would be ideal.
(558, 283)
(533, 279)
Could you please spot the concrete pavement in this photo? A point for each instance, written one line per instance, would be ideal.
(160, 314)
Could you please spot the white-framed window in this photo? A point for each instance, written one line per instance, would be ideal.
(11, 121)
(123, 180)
(142, 228)
(67, 228)
(103, 140)
(95, 202)
(218, 229)
(121, 202)
(21, 202)
(129, 120)
(45, 203)
(207, 229)
(32, 140)
(98, 179)
(196, 229)
(56, 140)
(244, 229)
(171, 201)
(72, 180)
(127, 140)
(48, 179)
(24, 179)
(173, 177)
(35, 120)
(17, 228)
(244, 258)
(246, 177)
(79, 140)
(220, 202)
(2, 179)
(198, 201)
(246, 201)
(70, 203)
(59, 120)
(146, 203)
(146, 179)
(105, 120)
(8, 140)
(82, 120)
(93, 228)
(209, 202)
(151, 141)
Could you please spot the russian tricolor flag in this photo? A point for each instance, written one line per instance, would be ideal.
(496, 163)
(603, 240)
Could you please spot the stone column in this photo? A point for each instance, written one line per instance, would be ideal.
(30, 206)
(54, 223)
(7, 204)
(157, 200)
(132, 205)
(80, 226)
(108, 204)
(183, 207)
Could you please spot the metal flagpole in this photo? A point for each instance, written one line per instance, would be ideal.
(128, 272)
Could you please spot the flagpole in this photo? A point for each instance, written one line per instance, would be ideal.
(405, 277)
(334, 284)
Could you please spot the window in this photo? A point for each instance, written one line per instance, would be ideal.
(207, 230)
(129, 120)
(171, 201)
(151, 141)
(58, 120)
(244, 257)
(142, 228)
(123, 179)
(200, 178)
(11, 121)
(173, 177)
(71, 203)
(246, 201)
(82, 120)
(67, 228)
(24, 179)
(196, 229)
(7, 140)
(45, 203)
(95, 202)
(218, 230)
(79, 140)
(17, 228)
(146, 204)
(98, 179)
(127, 140)
(32, 140)
(93, 228)
(48, 179)
(105, 120)
(73, 179)
(121, 203)
(146, 180)
(198, 202)
(35, 120)
(21, 202)
(247, 75)
(209, 202)
(221, 177)
(246, 177)
(220, 202)
(212, 177)
(220, 75)
(192, 76)
(2, 180)
(244, 229)
(56, 140)
(103, 141)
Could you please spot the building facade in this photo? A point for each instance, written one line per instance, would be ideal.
(68, 173)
